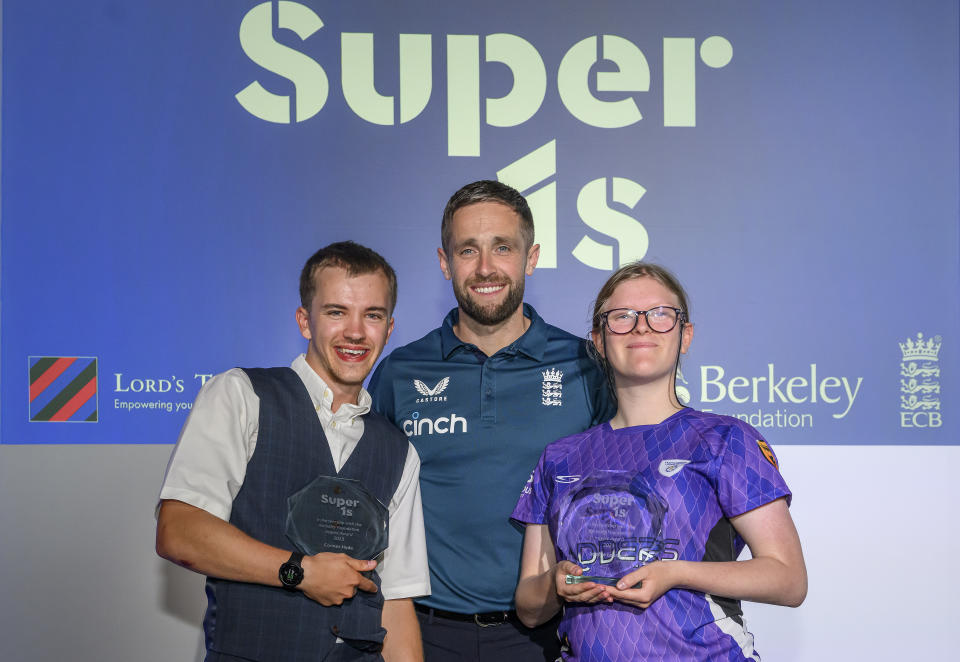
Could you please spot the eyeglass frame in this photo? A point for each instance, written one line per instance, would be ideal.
(680, 319)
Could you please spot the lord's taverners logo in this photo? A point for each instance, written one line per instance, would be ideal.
(63, 388)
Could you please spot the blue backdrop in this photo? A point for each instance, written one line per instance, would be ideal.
(168, 167)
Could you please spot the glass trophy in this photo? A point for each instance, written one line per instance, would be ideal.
(337, 515)
(610, 523)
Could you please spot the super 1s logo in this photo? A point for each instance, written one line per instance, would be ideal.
(573, 77)
(598, 79)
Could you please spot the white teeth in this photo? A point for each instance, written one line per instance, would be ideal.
(488, 289)
(355, 352)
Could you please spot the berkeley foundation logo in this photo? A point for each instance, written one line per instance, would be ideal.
(920, 383)
(552, 389)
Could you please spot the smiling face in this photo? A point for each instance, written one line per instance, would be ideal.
(487, 262)
(642, 356)
(347, 326)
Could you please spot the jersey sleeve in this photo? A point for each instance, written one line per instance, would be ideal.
(534, 498)
(749, 474)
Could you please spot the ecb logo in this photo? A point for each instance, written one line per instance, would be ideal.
(599, 79)
(920, 383)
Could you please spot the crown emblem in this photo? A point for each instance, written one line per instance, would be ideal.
(921, 350)
(553, 375)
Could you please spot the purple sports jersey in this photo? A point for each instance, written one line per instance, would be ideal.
(706, 468)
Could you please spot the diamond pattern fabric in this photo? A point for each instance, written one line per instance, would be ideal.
(706, 468)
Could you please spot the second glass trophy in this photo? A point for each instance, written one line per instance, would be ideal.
(610, 523)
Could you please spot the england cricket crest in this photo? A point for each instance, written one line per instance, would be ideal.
(552, 389)
(920, 382)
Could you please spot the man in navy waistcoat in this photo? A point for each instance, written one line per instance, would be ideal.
(257, 436)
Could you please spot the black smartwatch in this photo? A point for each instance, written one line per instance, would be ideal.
(291, 572)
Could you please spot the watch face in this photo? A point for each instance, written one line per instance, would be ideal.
(291, 574)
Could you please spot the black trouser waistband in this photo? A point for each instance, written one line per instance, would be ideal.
(484, 619)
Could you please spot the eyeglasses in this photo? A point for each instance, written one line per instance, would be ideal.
(660, 319)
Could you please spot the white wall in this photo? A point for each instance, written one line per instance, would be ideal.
(80, 580)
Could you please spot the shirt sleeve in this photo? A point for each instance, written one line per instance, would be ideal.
(602, 403)
(381, 390)
(749, 474)
(534, 498)
(403, 570)
(209, 462)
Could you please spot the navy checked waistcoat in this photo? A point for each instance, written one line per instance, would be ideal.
(265, 623)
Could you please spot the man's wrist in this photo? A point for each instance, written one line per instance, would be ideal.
(291, 572)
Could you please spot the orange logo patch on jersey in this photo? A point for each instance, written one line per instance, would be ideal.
(768, 453)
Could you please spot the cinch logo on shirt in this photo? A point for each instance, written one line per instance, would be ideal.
(416, 425)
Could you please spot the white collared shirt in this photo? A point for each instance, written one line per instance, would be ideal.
(209, 463)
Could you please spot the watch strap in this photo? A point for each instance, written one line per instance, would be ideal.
(295, 560)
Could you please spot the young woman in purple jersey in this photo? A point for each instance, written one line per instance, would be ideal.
(718, 482)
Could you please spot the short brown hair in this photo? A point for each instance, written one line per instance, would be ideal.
(352, 257)
(487, 190)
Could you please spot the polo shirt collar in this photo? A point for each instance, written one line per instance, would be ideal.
(533, 342)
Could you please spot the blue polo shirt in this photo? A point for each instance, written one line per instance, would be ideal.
(479, 425)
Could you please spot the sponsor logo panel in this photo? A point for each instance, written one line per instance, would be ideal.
(575, 77)
(418, 425)
(772, 397)
(63, 389)
(434, 394)
(169, 394)
(920, 382)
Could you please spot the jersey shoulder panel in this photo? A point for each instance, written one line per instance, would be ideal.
(555, 333)
(565, 445)
(565, 342)
(426, 347)
(716, 429)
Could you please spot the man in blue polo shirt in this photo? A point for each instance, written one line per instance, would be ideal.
(480, 397)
